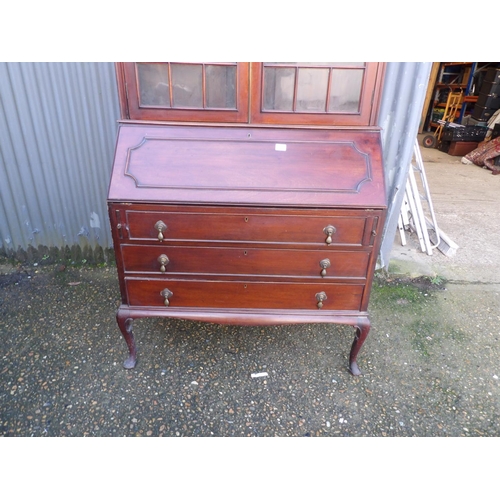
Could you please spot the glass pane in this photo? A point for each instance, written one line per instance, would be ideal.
(153, 84)
(345, 93)
(328, 64)
(187, 85)
(312, 89)
(221, 86)
(278, 88)
(345, 63)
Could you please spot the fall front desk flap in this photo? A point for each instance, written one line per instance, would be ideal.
(251, 166)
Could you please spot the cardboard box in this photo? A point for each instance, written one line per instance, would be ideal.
(461, 148)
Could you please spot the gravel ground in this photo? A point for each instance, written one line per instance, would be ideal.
(430, 365)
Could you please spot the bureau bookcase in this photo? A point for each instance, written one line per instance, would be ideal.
(247, 193)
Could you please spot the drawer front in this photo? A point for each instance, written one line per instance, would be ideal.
(248, 227)
(199, 260)
(244, 295)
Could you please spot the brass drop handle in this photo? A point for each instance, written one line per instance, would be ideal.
(160, 226)
(163, 260)
(329, 230)
(324, 264)
(320, 297)
(166, 294)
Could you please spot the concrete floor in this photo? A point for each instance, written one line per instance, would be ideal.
(466, 200)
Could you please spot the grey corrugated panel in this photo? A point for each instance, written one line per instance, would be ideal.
(401, 108)
(57, 136)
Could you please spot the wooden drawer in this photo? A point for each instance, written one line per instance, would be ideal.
(248, 261)
(252, 226)
(243, 294)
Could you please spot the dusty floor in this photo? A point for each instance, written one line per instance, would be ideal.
(430, 363)
(430, 366)
(466, 201)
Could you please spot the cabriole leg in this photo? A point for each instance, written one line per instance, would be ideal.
(362, 329)
(125, 325)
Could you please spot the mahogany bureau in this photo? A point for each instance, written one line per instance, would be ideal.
(259, 221)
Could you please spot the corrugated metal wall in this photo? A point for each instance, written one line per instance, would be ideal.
(57, 137)
(403, 98)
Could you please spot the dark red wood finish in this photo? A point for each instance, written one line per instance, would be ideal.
(131, 108)
(248, 166)
(249, 102)
(366, 116)
(232, 223)
(244, 260)
(253, 225)
(243, 294)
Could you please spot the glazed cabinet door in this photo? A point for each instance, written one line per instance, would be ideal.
(272, 93)
(308, 93)
(194, 92)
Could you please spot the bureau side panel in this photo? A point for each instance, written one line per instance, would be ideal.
(377, 224)
(118, 234)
